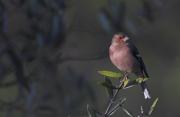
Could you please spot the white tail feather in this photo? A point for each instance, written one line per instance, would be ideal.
(146, 94)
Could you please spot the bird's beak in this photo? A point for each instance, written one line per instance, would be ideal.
(125, 39)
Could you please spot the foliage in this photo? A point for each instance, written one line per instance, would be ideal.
(115, 104)
(110, 74)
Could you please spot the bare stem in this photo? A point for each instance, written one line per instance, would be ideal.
(114, 98)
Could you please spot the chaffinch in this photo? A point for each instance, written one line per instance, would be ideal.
(125, 56)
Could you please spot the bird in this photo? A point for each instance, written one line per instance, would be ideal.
(125, 56)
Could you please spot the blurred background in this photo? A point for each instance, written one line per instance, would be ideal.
(51, 50)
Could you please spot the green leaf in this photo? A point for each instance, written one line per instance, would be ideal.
(153, 106)
(140, 80)
(134, 82)
(125, 82)
(145, 79)
(110, 74)
(91, 112)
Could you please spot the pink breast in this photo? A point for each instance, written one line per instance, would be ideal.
(121, 58)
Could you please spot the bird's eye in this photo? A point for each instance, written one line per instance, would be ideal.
(121, 36)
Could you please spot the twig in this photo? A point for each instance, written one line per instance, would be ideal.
(114, 97)
(115, 109)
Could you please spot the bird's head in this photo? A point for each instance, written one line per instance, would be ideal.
(119, 39)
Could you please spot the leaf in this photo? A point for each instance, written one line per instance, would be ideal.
(153, 106)
(127, 112)
(140, 80)
(125, 83)
(145, 79)
(110, 74)
(91, 112)
(132, 83)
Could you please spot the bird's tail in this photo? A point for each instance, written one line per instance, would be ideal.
(145, 90)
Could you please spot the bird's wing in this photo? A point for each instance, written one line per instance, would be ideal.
(136, 54)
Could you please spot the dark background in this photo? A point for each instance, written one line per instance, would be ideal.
(56, 47)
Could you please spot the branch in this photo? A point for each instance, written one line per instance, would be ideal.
(114, 97)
